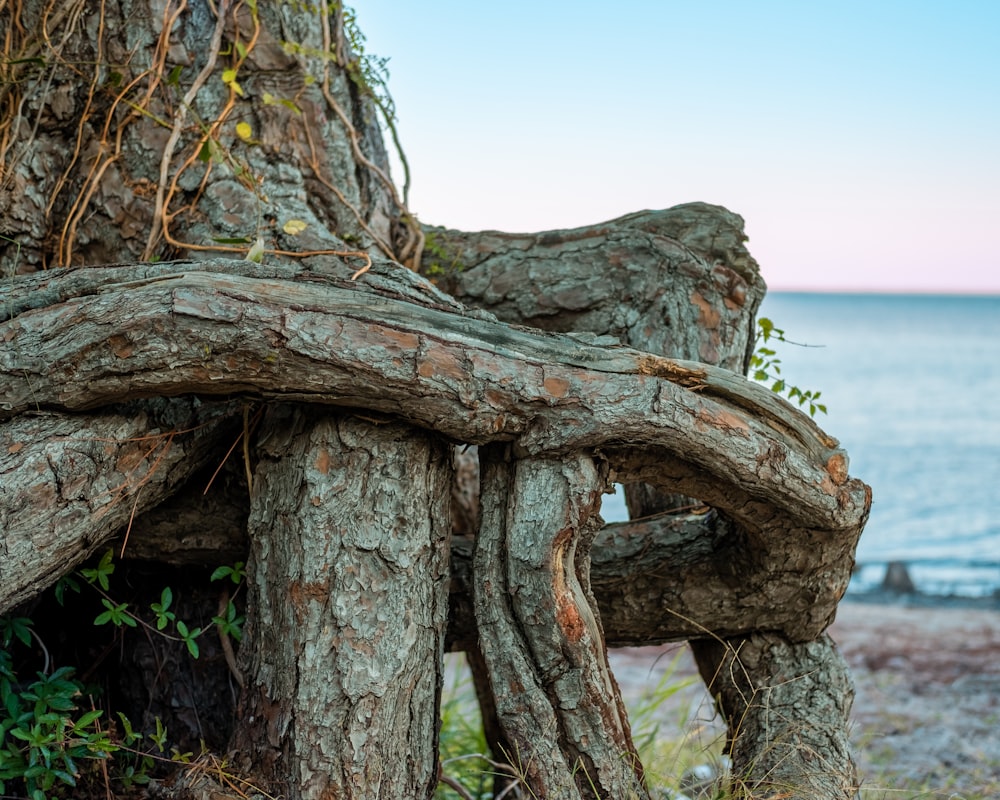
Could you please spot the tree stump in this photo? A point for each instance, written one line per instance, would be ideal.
(242, 140)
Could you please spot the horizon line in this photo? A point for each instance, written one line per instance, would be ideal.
(916, 291)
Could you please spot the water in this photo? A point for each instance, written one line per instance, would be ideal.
(912, 384)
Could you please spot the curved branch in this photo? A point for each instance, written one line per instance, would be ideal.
(467, 376)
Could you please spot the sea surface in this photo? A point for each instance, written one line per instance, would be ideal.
(912, 388)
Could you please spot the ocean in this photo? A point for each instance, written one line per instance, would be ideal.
(912, 388)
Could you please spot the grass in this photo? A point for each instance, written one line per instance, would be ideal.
(673, 744)
(670, 742)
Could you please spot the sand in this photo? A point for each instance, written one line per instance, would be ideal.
(927, 710)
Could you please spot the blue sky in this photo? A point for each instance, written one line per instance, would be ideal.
(859, 140)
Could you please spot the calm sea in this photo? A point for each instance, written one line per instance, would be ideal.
(912, 384)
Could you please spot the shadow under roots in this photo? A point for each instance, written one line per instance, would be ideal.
(149, 675)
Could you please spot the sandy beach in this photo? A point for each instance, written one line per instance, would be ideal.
(926, 716)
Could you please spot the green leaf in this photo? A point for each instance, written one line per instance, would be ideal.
(130, 735)
(15, 627)
(87, 719)
(101, 572)
(235, 573)
(65, 582)
(160, 737)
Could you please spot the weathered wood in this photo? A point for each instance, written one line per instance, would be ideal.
(474, 380)
(113, 172)
(68, 484)
(664, 578)
(677, 281)
(748, 567)
(469, 377)
(556, 699)
(348, 574)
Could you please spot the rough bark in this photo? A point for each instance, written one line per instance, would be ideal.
(585, 279)
(119, 138)
(69, 484)
(659, 579)
(677, 282)
(789, 707)
(540, 634)
(342, 655)
(470, 378)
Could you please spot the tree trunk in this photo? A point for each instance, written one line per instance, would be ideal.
(787, 707)
(541, 638)
(708, 434)
(123, 138)
(349, 573)
(590, 279)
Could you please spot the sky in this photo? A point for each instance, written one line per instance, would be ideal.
(860, 141)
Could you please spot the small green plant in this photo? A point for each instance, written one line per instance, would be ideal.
(44, 733)
(765, 367)
(119, 614)
(47, 734)
(437, 262)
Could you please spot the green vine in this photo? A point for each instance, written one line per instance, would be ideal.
(765, 367)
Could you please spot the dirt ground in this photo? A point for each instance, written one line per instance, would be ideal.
(926, 717)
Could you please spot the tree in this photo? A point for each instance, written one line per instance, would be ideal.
(239, 147)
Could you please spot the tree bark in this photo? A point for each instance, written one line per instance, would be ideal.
(788, 707)
(585, 279)
(349, 582)
(120, 140)
(69, 484)
(540, 634)
(131, 131)
(730, 442)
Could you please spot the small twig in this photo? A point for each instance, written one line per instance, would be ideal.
(455, 786)
(246, 451)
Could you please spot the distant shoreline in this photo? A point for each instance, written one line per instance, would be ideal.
(921, 600)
